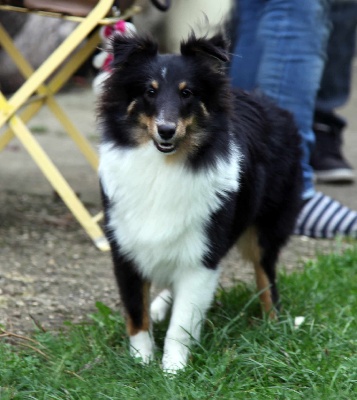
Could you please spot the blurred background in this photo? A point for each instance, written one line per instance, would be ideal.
(36, 37)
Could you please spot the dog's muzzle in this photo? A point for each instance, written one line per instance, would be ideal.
(164, 140)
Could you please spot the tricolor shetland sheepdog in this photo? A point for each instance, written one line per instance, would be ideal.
(188, 169)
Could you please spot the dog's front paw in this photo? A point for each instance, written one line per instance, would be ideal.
(173, 364)
(175, 356)
(160, 306)
(142, 346)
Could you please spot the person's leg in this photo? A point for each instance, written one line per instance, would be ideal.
(280, 51)
(327, 160)
(324, 217)
(336, 78)
(295, 34)
(291, 38)
(247, 50)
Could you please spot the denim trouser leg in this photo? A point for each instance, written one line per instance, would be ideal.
(290, 38)
(248, 49)
(336, 78)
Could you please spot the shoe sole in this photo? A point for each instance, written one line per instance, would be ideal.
(342, 175)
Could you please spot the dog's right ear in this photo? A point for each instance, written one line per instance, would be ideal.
(127, 48)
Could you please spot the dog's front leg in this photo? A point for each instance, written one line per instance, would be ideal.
(193, 293)
(139, 326)
(135, 294)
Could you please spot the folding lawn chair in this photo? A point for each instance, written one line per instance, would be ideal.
(40, 86)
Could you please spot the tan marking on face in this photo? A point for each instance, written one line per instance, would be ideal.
(251, 251)
(182, 85)
(193, 137)
(204, 109)
(132, 329)
(144, 120)
(182, 126)
(189, 139)
(155, 84)
(131, 107)
(145, 129)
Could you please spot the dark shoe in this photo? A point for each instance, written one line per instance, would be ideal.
(327, 159)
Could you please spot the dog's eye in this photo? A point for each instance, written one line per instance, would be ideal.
(151, 92)
(186, 93)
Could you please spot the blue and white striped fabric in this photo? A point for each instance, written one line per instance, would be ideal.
(324, 217)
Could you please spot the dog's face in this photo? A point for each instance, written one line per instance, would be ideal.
(166, 99)
(168, 109)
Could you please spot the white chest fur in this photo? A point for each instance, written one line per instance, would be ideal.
(159, 209)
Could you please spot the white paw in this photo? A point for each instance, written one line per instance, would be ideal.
(173, 364)
(160, 306)
(142, 346)
(175, 355)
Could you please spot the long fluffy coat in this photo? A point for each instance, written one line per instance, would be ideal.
(188, 168)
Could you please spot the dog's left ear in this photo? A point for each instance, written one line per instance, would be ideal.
(215, 48)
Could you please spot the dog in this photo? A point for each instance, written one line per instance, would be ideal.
(189, 168)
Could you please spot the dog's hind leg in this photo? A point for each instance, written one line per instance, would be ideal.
(268, 292)
(264, 266)
(160, 306)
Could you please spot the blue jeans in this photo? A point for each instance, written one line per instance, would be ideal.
(336, 78)
(281, 52)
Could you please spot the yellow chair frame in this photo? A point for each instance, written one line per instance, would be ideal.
(35, 93)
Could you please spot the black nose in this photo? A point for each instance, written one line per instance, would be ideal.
(166, 131)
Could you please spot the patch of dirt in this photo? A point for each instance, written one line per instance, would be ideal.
(50, 272)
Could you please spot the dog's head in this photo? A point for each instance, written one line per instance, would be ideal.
(169, 100)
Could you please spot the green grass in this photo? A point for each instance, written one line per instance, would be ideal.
(241, 356)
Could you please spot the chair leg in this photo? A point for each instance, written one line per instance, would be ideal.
(56, 83)
(57, 181)
(81, 141)
(35, 83)
(5, 139)
(57, 57)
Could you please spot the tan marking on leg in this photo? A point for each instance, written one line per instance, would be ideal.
(265, 296)
(251, 251)
(132, 329)
(248, 246)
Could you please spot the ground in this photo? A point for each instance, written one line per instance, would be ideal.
(50, 272)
